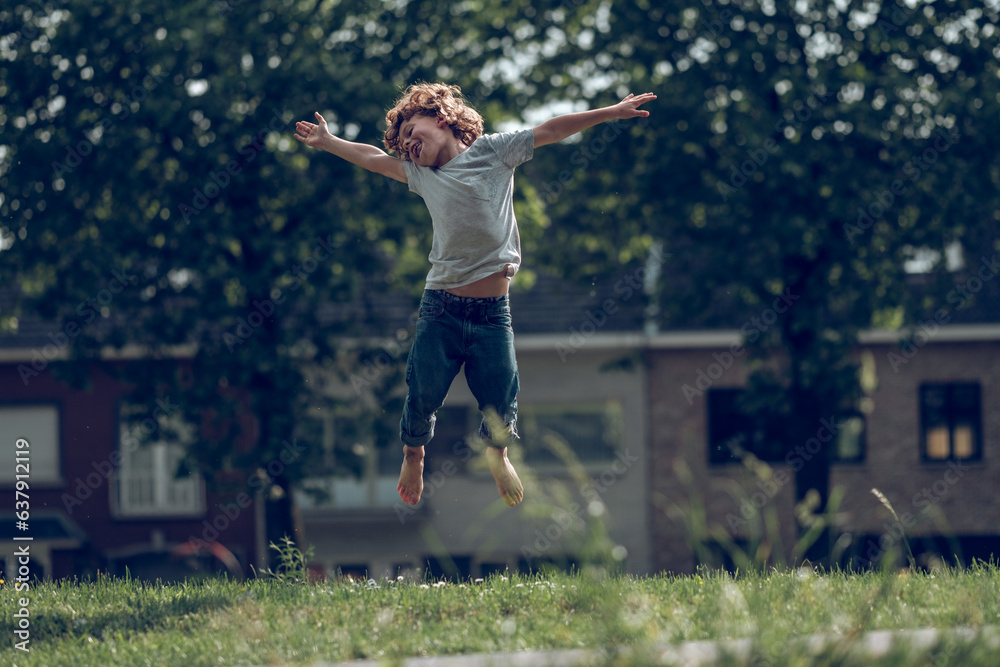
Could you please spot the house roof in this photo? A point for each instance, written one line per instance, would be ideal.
(551, 306)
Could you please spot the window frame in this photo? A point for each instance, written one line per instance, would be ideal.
(923, 417)
(372, 490)
(124, 510)
(597, 406)
(715, 460)
(59, 479)
(711, 428)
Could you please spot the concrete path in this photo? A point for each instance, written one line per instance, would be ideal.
(700, 653)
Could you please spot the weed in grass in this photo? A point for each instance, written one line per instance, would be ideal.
(293, 563)
(842, 606)
(568, 520)
(885, 503)
(759, 531)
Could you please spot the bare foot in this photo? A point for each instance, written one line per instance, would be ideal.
(508, 483)
(411, 477)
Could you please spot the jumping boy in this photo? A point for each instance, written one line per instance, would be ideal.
(466, 179)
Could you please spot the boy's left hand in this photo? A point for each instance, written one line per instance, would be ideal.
(628, 107)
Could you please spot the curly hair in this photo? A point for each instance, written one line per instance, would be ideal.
(432, 99)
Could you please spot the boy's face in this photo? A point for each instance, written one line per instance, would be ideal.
(428, 140)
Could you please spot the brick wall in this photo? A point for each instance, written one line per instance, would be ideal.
(965, 494)
(962, 497)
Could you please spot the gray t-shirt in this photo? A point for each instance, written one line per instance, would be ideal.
(470, 200)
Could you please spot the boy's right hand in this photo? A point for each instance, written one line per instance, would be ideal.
(364, 155)
(311, 134)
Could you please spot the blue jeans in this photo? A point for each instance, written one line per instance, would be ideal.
(452, 331)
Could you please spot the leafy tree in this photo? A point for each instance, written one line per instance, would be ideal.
(154, 197)
(798, 156)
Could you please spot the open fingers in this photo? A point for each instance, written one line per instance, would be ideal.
(636, 101)
(304, 131)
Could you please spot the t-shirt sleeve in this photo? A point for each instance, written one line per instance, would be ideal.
(514, 148)
(412, 176)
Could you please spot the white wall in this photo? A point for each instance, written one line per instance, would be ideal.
(461, 511)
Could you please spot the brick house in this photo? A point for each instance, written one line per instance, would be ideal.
(594, 373)
(102, 493)
(569, 344)
(930, 444)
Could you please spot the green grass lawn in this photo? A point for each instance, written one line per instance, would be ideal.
(269, 621)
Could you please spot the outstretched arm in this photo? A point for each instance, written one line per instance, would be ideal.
(560, 127)
(363, 155)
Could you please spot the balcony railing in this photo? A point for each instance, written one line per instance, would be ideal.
(153, 490)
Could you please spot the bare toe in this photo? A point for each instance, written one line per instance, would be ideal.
(411, 475)
(508, 483)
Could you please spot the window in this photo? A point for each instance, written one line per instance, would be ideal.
(151, 447)
(950, 422)
(593, 432)
(849, 446)
(925, 259)
(729, 429)
(39, 425)
(731, 432)
(355, 474)
(351, 571)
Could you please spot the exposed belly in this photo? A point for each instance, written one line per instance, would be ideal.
(493, 285)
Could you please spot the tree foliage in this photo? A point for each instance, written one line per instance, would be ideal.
(810, 151)
(153, 194)
(806, 150)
